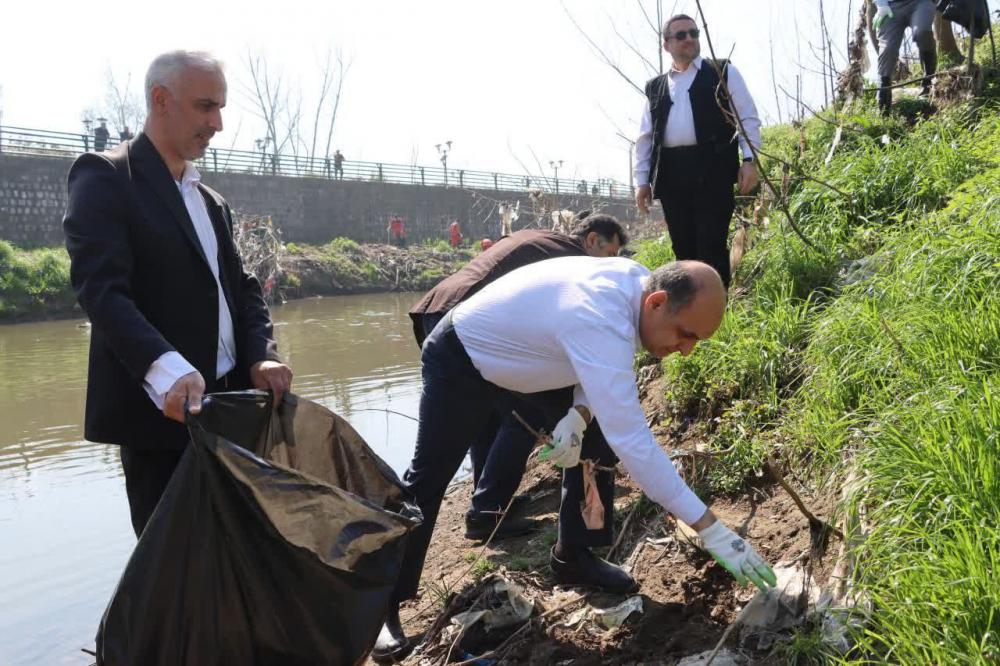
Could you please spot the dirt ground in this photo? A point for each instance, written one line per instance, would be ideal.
(688, 599)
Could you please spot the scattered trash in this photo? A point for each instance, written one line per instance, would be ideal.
(616, 616)
(723, 658)
(508, 606)
(609, 618)
(591, 507)
(477, 662)
(782, 607)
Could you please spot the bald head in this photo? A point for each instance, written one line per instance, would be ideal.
(683, 303)
(684, 281)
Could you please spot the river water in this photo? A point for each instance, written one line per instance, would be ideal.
(64, 525)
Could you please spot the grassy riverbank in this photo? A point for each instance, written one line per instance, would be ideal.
(345, 267)
(34, 284)
(872, 364)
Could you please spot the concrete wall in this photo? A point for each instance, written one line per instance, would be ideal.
(307, 210)
(32, 200)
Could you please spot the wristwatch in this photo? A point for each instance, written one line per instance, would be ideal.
(747, 160)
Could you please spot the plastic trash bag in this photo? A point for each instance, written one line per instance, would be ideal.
(973, 15)
(278, 541)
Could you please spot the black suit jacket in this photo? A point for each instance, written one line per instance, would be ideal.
(140, 274)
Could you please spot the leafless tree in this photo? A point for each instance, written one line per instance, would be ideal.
(646, 47)
(278, 101)
(273, 104)
(127, 107)
(335, 74)
(122, 105)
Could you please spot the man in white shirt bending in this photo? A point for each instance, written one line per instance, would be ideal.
(563, 333)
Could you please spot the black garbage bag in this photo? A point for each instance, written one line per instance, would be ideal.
(973, 15)
(277, 542)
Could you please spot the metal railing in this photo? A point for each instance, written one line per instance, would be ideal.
(26, 141)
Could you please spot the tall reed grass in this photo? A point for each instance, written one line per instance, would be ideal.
(880, 354)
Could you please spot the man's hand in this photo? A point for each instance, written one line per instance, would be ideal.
(189, 387)
(881, 15)
(271, 375)
(643, 197)
(567, 439)
(747, 178)
(737, 556)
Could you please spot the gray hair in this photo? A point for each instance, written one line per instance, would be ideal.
(676, 279)
(165, 68)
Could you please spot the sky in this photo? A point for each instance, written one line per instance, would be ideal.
(514, 85)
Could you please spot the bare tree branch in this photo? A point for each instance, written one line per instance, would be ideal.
(604, 56)
(782, 200)
(628, 44)
(656, 28)
(342, 69)
(324, 89)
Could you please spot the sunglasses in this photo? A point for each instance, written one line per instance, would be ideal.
(681, 35)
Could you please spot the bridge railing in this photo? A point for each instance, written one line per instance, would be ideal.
(27, 141)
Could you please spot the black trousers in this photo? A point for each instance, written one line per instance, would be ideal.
(500, 450)
(695, 189)
(455, 403)
(147, 474)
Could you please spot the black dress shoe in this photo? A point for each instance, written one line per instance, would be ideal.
(582, 567)
(392, 645)
(519, 503)
(480, 527)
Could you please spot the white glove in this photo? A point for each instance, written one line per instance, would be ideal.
(738, 557)
(567, 438)
(881, 15)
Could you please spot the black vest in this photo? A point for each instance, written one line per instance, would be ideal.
(716, 135)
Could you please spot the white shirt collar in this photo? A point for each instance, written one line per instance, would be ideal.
(696, 63)
(190, 178)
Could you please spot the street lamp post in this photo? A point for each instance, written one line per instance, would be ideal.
(555, 164)
(87, 125)
(631, 149)
(443, 150)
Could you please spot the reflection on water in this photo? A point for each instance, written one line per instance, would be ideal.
(63, 514)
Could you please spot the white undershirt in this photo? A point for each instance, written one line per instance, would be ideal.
(680, 121)
(573, 321)
(171, 366)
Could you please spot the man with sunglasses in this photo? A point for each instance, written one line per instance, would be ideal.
(687, 153)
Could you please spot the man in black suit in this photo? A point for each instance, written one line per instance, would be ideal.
(155, 268)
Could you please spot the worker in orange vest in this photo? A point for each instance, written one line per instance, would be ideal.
(454, 234)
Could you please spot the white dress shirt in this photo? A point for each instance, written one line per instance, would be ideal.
(573, 321)
(680, 121)
(171, 366)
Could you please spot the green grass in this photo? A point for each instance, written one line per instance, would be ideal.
(652, 253)
(440, 245)
(482, 568)
(893, 374)
(342, 246)
(34, 282)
